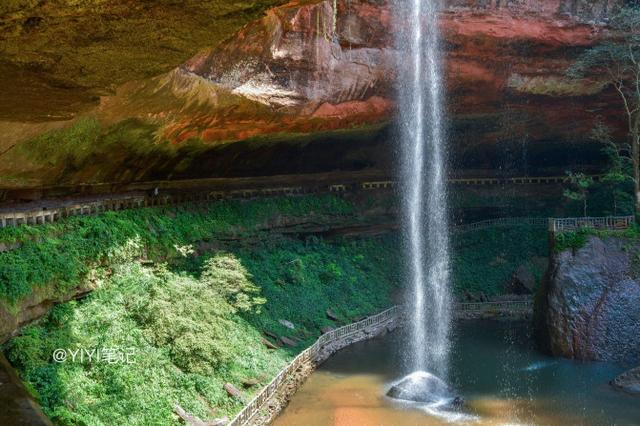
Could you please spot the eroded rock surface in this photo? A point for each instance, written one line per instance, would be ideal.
(311, 72)
(31, 308)
(592, 301)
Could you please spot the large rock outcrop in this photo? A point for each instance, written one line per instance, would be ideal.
(591, 301)
(58, 56)
(312, 72)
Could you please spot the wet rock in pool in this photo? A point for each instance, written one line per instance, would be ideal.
(424, 387)
(629, 381)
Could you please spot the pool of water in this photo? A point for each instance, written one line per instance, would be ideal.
(494, 367)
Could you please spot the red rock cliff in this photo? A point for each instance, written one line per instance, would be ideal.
(307, 68)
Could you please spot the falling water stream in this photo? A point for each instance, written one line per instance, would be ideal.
(423, 175)
(503, 379)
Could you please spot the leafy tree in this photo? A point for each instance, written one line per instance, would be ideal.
(580, 189)
(617, 62)
(620, 171)
(226, 275)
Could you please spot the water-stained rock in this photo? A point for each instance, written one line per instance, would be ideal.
(523, 281)
(288, 341)
(332, 315)
(309, 68)
(590, 309)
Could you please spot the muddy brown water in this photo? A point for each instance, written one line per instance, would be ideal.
(494, 367)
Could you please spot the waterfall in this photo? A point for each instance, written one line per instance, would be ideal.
(423, 152)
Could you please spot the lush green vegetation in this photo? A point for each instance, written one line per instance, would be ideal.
(193, 317)
(301, 280)
(193, 328)
(570, 240)
(57, 256)
(577, 239)
(194, 323)
(485, 260)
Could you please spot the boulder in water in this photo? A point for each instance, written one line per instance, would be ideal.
(422, 386)
(590, 304)
(629, 381)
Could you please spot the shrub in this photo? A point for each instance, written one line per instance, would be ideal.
(225, 274)
(570, 240)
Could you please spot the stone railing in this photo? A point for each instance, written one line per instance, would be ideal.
(317, 352)
(40, 216)
(497, 306)
(503, 221)
(523, 180)
(557, 225)
(141, 198)
(310, 355)
(478, 181)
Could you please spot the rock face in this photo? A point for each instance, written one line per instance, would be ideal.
(310, 74)
(591, 302)
(33, 307)
(59, 56)
(423, 387)
(522, 282)
(629, 381)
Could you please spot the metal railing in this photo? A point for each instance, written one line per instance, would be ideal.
(576, 223)
(308, 355)
(503, 221)
(521, 180)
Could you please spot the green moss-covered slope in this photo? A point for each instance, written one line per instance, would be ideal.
(190, 330)
(61, 254)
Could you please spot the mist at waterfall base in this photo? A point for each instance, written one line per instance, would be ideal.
(423, 177)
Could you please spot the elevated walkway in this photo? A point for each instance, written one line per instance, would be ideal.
(161, 193)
